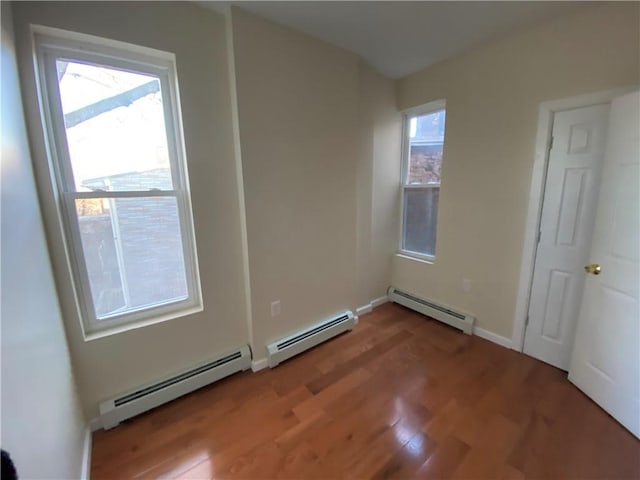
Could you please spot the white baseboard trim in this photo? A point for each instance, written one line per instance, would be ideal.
(257, 365)
(492, 337)
(95, 424)
(364, 309)
(85, 473)
(376, 302)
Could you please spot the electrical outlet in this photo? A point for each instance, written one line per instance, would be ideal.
(466, 285)
(275, 308)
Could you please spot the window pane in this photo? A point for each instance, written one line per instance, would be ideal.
(115, 128)
(426, 138)
(133, 252)
(420, 219)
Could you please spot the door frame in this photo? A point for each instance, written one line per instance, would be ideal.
(546, 112)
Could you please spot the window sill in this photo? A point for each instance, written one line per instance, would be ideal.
(416, 258)
(117, 329)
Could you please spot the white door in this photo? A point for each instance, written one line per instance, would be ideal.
(606, 358)
(566, 227)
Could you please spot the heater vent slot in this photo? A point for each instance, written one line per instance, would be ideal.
(432, 305)
(178, 378)
(313, 331)
(146, 397)
(298, 342)
(460, 320)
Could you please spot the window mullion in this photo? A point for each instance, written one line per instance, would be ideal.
(420, 186)
(123, 194)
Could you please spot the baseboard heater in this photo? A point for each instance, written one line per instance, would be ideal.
(298, 342)
(462, 321)
(144, 398)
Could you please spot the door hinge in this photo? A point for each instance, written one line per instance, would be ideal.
(526, 321)
(550, 143)
(539, 236)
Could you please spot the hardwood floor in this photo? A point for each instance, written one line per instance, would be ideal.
(401, 396)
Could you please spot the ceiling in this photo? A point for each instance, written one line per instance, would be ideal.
(398, 38)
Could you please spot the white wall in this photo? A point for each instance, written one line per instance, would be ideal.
(111, 365)
(377, 183)
(317, 128)
(297, 117)
(42, 423)
(493, 94)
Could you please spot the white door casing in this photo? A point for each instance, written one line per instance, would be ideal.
(566, 226)
(606, 358)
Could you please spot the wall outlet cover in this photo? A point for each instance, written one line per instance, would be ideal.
(275, 308)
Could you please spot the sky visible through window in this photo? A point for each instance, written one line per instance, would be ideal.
(115, 123)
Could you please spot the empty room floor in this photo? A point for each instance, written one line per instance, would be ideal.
(401, 396)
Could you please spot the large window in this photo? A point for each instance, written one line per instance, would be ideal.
(422, 163)
(115, 140)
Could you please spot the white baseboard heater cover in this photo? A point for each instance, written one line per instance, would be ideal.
(462, 321)
(144, 398)
(298, 342)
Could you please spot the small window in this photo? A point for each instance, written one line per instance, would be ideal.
(422, 165)
(114, 135)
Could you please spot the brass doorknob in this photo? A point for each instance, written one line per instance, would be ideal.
(592, 268)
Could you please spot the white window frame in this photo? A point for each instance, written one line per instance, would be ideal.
(407, 115)
(51, 44)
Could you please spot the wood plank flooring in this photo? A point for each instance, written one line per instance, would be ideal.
(401, 396)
